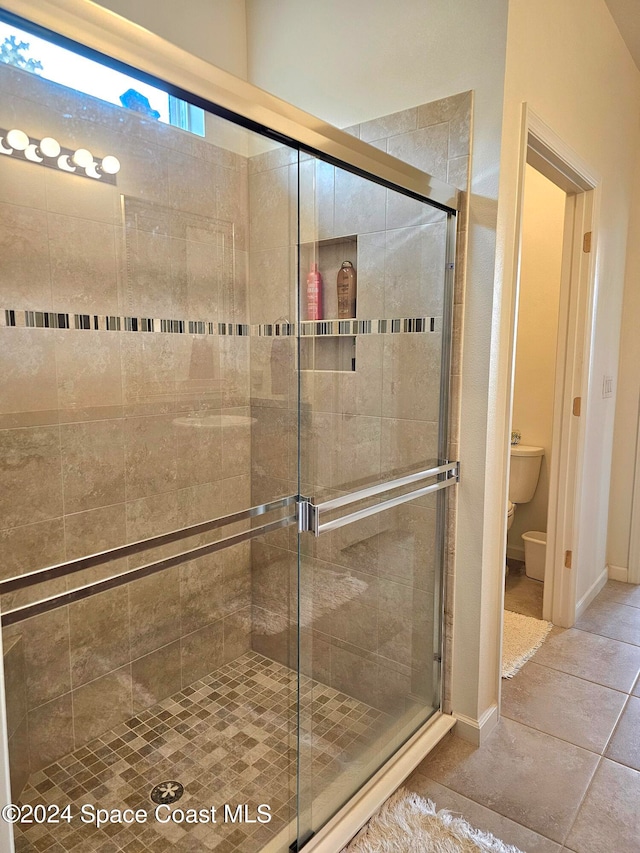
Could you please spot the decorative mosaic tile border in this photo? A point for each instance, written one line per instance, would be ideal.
(111, 323)
(369, 327)
(330, 328)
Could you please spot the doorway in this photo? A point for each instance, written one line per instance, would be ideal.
(544, 206)
(554, 297)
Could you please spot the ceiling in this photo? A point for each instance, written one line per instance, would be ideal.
(626, 14)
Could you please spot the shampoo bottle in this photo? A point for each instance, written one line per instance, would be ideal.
(346, 291)
(314, 294)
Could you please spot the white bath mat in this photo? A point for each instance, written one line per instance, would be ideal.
(521, 638)
(407, 823)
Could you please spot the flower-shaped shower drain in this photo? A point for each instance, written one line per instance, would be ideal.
(167, 792)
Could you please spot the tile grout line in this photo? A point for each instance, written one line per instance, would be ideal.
(482, 805)
(587, 680)
(604, 636)
(584, 797)
(617, 723)
(607, 636)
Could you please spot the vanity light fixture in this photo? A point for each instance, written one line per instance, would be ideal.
(49, 152)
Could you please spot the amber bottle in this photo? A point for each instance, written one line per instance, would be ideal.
(346, 291)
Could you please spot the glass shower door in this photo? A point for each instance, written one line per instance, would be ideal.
(148, 413)
(192, 345)
(373, 445)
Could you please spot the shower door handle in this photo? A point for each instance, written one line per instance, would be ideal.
(310, 514)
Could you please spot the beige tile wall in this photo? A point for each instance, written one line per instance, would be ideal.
(107, 437)
(367, 590)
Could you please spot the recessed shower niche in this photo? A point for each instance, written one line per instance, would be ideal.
(327, 344)
(223, 547)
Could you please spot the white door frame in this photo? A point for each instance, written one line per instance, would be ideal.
(633, 562)
(546, 152)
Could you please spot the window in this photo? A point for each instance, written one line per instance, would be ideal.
(185, 115)
(55, 63)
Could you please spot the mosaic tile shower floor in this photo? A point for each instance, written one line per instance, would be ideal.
(228, 738)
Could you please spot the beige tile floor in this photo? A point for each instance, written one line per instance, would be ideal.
(561, 772)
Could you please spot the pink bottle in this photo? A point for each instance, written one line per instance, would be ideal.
(314, 294)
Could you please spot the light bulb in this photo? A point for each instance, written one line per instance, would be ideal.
(64, 163)
(110, 165)
(82, 158)
(93, 171)
(49, 146)
(32, 152)
(17, 139)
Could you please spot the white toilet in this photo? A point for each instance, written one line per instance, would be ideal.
(526, 460)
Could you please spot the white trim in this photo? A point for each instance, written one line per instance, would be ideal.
(335, 834)
(568, 431)
(591, 593)
(477, 731)
(573, 359)
(544, 132)
(511, 290)
(634, 535)
(618, 573)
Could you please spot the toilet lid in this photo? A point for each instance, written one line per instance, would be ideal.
(510, 507)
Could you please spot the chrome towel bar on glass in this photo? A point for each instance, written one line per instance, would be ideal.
(308, 518)
(309, 514)
(19, 614)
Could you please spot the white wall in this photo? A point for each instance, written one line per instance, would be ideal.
(537, 335)
(568, 62)
(348, 61)
(627, 399)
(212, 29)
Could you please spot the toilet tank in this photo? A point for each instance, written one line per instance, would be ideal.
(525, 470)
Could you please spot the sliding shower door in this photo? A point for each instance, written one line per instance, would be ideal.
(223, 462)
(148, 467)
(373, 470)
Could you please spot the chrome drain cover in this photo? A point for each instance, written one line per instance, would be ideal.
(167, 792)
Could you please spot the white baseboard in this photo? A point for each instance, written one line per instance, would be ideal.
(476, 731)
(591, 593)
(618, 573)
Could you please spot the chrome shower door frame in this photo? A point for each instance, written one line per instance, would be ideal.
(99, 33)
